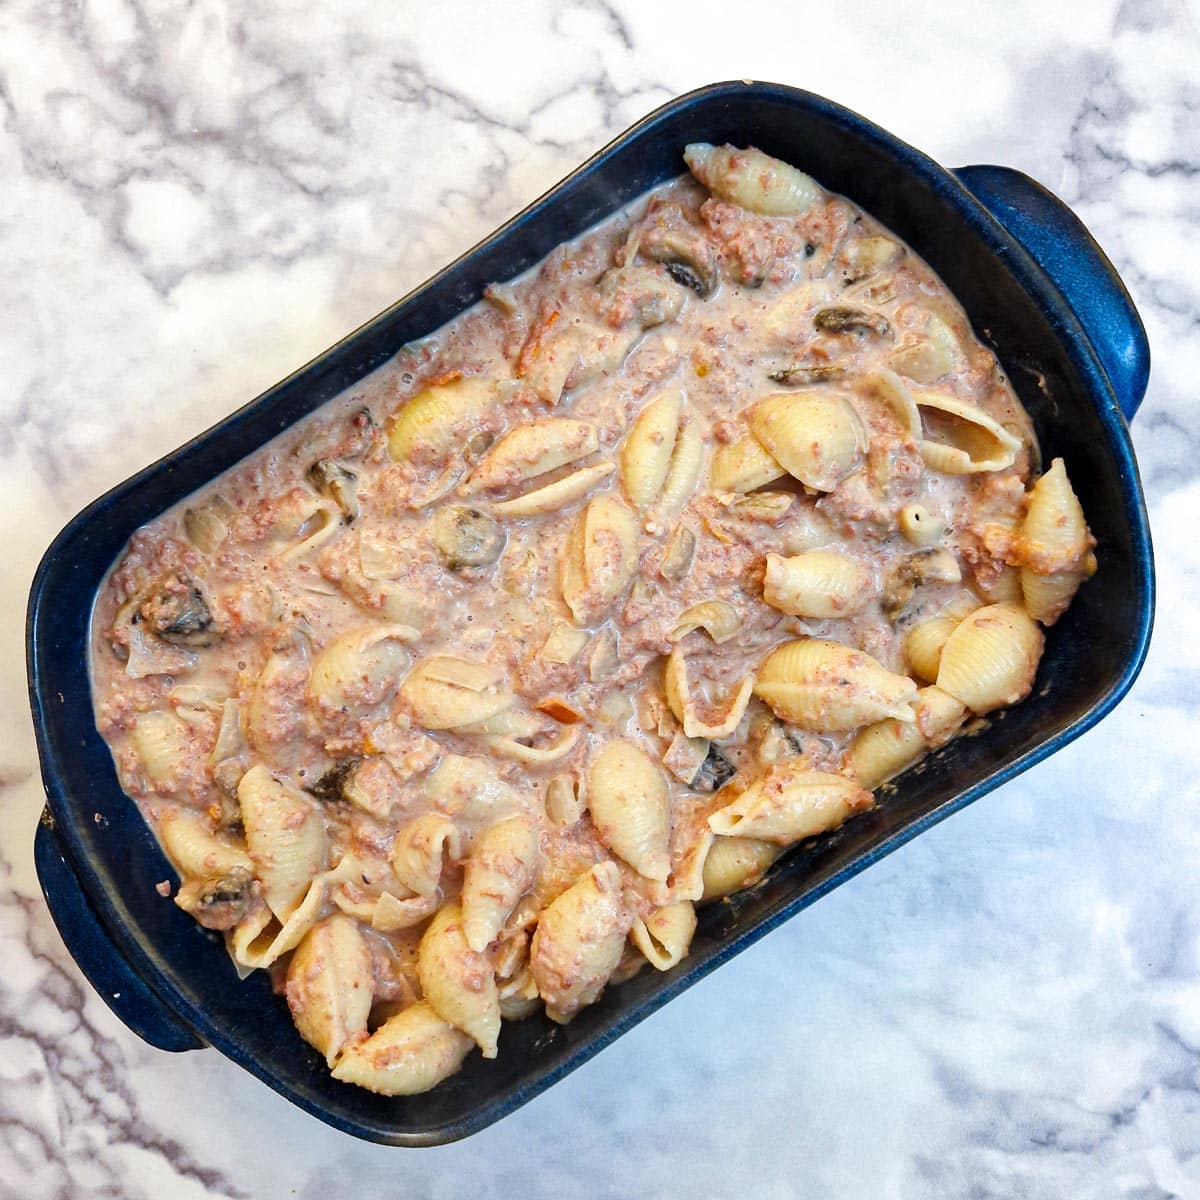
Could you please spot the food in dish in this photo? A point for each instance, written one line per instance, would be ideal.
(452, 702)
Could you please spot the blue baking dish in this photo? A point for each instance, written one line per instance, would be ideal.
(1038, 290)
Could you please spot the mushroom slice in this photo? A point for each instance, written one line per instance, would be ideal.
(176, 612)
(466, 538)
(808, 374)
(335, 481)
(844, 319)
(689, 257)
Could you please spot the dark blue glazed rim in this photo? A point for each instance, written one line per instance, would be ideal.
(1038, 290)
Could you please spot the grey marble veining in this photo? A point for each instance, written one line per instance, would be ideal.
(199, 197)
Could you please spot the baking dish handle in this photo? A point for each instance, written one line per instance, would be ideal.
(1061, 245)
(93, 950)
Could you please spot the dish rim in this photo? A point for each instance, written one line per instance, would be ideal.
(1011, 255)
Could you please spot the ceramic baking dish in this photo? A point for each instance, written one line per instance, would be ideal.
(1038, 290)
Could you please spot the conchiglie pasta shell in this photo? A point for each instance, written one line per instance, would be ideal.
(411, 1052)
(923, 646)
(718, 618)
(420, 849)
(500, 870)
(457, 982)
(686, 464)
(533, 449)
(824, 584)
(888, 387)
(443, 692)
(830, 688)
(161, 741)
(556, 495)
(196, 850)
(665, 935)
(973, 442)
(579, 941)
(1055, 546)
(882, 751)
(646, 455)
(330, 985)
(932, 356)
(733, 863)
(789, 803)
(680, 699)
(991, 659)
(358, 668)
(286, 836)
(752, 180)
(742, 466)
(817, 438)
(470, 790)
(600, 558)
(630, 807)
(428, 427)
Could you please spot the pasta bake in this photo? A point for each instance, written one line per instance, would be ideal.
(453, 702)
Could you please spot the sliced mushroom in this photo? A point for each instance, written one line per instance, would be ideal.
(641, 293)
(220, 901)
(689, 257)
(842, 319)
(677, 558)
(335, 481)
(176, 612)
(466, 538)
(807, 374)
(715, 772)
(914, 571)
(332, 785)
(208, 524)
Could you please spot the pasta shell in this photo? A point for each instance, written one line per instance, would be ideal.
(600, 558)
(920, 527)
(1055, 546)
(718, 618)
(963, 439)
(411, 1052)
(817, 438)
(161, 741)
(934, 355)
(392, 913)
(665, 935)
(533, 449)
(556, 495)
(630, 807)
(923, 646)
(733, 863)
(470, 790)
(991, 659)
(686, 464)
(824, 584)
(829, 688)
(888, 387)
(420, 849)
(682, 702)
(751, 179)
(429, 427)
(357, 670)
(646, 454)
(564, 800)
(882, 751)
(536, 756)
(286, 836)
(789, 803)
(442, 692)
(742, 466)
(330, 986)
(196, 850)
(579, 941)
(499, 872)
(458, 983)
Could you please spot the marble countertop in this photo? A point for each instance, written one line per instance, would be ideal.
(199, 197)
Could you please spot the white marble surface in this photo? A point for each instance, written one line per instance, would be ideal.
(198, 197)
